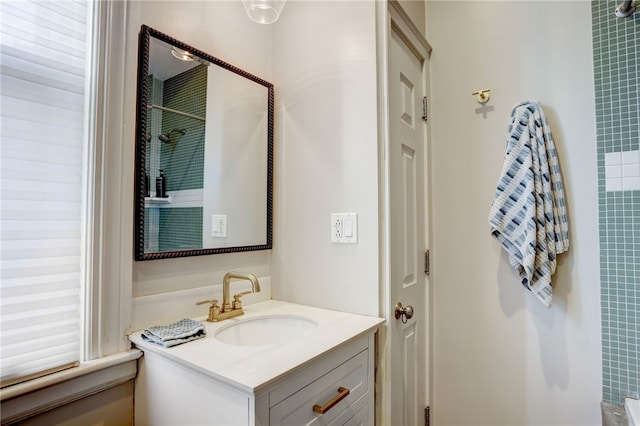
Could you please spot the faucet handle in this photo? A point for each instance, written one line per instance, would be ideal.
(214, 302)
(237, 303)
(214, 309)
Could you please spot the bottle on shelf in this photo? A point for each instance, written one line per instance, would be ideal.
(161, 185)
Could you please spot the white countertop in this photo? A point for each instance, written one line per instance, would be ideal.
(250, 368)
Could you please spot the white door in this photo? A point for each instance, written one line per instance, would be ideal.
(406, 351)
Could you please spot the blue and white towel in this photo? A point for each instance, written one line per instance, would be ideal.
(529, 215)
(179, 332)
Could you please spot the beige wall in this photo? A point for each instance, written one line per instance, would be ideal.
(499, 356)
(324, 69)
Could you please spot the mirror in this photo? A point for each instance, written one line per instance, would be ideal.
(204, 153)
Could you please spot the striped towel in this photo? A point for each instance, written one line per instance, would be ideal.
(529, 215)
(179, 332)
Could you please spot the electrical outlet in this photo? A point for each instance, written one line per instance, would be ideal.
(344, 228)
(337, 226)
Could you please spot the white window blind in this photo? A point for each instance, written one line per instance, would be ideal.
(43, 61)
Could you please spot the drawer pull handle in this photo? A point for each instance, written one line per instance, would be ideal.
(342, 394)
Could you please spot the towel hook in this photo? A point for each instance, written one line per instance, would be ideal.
(482, 96)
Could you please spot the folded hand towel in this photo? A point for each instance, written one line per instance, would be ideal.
(528, 215)
(179, 332)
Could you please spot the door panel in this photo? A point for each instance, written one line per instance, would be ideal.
(410, 374)
(411, 227)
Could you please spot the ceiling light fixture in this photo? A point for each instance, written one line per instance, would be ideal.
(263, 11)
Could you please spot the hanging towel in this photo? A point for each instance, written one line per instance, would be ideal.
(179, 332)
(529, 215)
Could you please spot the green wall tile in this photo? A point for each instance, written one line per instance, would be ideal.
(616, 54)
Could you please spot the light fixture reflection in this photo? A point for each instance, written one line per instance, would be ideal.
(264, 11)
(183, 55)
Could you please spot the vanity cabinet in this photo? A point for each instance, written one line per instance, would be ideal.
(172, 393)
(327, 364)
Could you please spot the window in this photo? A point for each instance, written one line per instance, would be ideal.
(45, 49)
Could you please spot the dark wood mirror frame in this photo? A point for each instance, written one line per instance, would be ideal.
(141, 149)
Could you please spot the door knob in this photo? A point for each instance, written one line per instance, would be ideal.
(406, 313)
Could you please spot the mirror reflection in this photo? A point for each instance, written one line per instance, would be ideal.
(204, 153)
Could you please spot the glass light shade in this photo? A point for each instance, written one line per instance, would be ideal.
(263, 11)
(183, 55)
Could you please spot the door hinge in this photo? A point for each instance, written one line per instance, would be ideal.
(427, 268)
(424, 109)
(427, 419)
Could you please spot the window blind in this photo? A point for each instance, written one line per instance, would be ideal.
(43, 63)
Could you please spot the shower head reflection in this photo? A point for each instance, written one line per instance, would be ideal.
(167, 137)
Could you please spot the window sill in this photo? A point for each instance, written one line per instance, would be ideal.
(36, 396)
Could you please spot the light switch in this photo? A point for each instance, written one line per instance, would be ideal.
(348, 227)
(219, 225)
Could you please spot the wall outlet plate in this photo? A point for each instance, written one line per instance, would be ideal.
(344, 228)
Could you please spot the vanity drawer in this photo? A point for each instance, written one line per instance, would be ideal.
(298, 409)
(360, 418)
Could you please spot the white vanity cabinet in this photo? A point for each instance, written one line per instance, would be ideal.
(168, 393)
(173, 388)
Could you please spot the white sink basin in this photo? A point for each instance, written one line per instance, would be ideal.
(265, 330)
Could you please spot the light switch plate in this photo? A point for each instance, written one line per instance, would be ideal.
(344, 228)
(219, 225)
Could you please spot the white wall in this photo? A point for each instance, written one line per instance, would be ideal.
(235, 171)
(499, 356)
(324, 71)
(222, 29)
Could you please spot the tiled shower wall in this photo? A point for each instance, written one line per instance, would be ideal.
(616, 57)
(183, 158)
